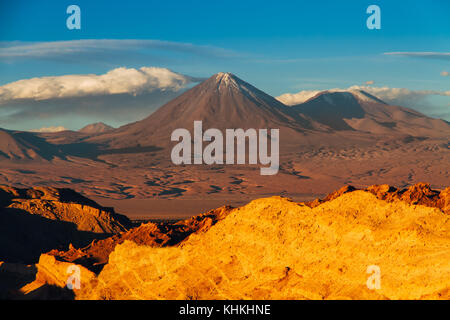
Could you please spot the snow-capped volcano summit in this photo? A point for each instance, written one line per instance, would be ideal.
(226, 81)
(226, 78)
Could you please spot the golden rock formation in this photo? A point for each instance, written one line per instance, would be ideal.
(52, 277)
(420, 193)
(162, 234)
(35, 221)
(271, 248)
(276, 249)
(65, 205)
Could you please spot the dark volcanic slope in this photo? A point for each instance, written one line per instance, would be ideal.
(25, 146)
(223, 101)
(358, 110)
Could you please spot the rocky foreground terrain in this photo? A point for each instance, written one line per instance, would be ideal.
(271, 248)
(33, 221)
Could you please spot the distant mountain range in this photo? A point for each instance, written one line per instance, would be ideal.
(358, 110)
(225, 101)
(334, 138)
(222, 101)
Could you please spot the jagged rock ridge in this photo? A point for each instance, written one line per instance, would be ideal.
(420, 193)
(274, 248)
(34, 221)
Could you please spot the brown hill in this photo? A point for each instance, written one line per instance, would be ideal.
(95, 128)
(360, 111)
(16, 145)
(33, 221)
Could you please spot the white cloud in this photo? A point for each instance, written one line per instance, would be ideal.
(296, 98)
(369, 82)
(75, 48)
(429, 55)
(117, 81)
(398, 95)
(445, 73)
(50, 129)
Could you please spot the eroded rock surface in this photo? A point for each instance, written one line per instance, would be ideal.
(420, 193)
(272, 248)
(34, 221)
(95, 255)
(276, 249)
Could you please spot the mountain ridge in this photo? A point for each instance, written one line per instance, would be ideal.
(357, 110)
(222, 101)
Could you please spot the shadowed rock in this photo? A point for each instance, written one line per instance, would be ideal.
(34, 221)
(161, 234)
(273, 248)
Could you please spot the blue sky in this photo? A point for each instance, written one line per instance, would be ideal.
(278, 46)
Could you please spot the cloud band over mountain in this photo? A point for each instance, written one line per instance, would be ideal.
(399, 96)
(117, 81)
(119, 96)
